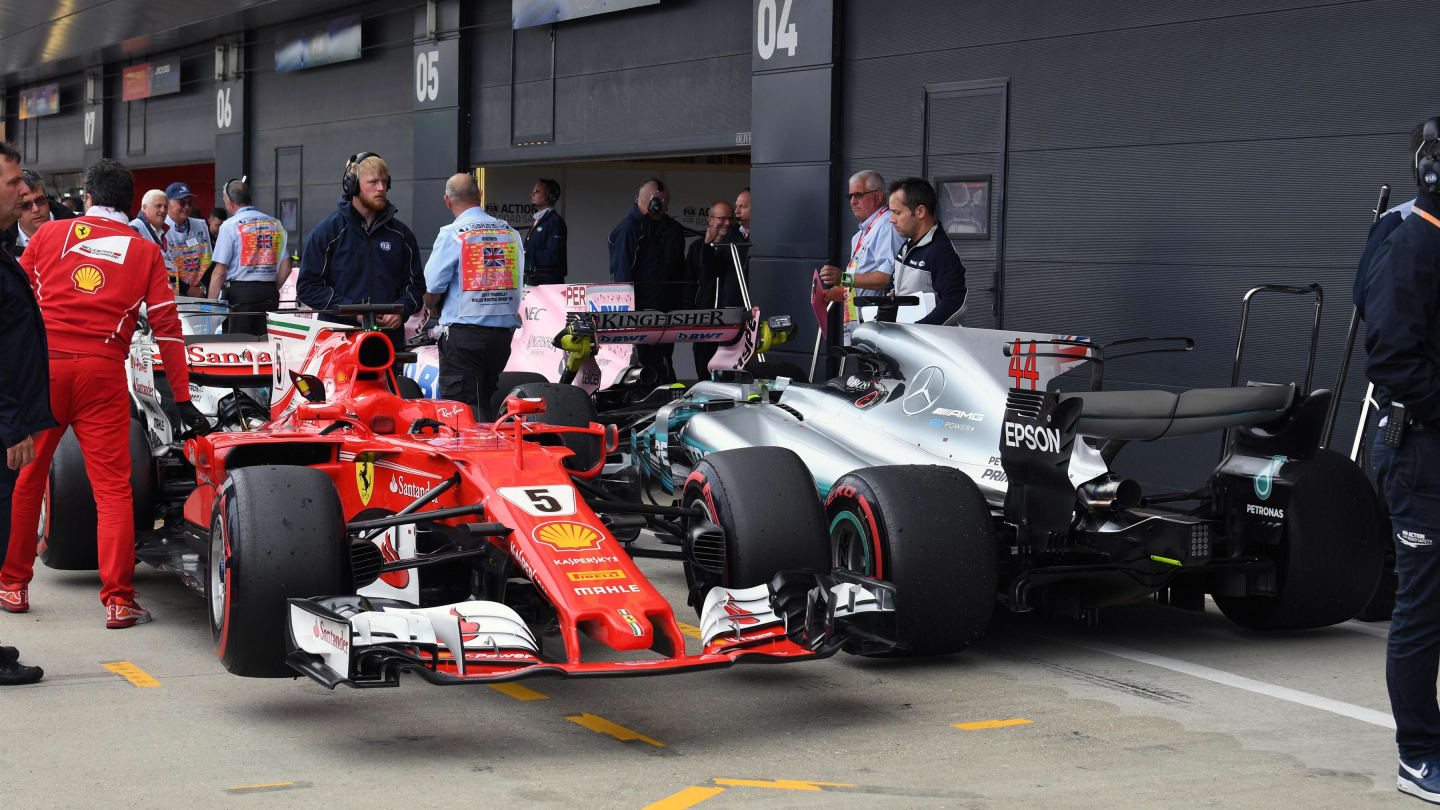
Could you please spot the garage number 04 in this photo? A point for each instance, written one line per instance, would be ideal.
(773, 29)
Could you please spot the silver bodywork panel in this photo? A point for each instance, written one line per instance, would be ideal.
(943, 402)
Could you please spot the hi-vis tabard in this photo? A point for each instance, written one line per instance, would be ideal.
(490, 270)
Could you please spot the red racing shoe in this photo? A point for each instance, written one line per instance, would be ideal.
(16, 599)
(121, 613)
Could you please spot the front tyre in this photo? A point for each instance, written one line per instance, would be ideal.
(275, 533)
(764, 499)
(927, 530)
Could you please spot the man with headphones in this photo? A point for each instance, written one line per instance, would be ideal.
(1402, 342)
(545, 245)
(361, 253)
(250, 262)
(647, 249)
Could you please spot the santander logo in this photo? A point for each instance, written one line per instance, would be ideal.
(332, 638)
(400, 486)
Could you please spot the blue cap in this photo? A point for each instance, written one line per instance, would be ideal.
(178, 191)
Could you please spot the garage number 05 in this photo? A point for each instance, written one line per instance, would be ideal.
(773, 29)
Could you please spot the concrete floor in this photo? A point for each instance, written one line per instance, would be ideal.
(1157, 708)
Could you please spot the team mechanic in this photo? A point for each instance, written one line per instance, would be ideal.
(475, 265)
(927, 262)
(249, 263)
(361, 253)
(1402, 312)
(91, 275)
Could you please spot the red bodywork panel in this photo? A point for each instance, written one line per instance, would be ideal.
(556, 539)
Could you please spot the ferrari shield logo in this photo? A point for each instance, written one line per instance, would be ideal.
(82, 231)
(563, 535)
(365, 480)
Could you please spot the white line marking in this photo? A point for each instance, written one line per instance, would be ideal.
(1376, 630)
(1341, 708)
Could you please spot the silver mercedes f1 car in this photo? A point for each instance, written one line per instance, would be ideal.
(951, 466)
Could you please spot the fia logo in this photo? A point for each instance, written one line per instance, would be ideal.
(385, 246)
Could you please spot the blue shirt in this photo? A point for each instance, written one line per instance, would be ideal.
(477, 260)
(874, 247)
(251, 245)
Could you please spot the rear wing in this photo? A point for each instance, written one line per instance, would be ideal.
(650, 327)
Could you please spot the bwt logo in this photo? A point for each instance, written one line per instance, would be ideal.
(608, 307)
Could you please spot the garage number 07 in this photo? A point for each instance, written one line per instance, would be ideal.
(773, 29)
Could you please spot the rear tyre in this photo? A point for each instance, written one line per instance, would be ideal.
(927, 530)
(571, 406)
(1329, 563)
(142, 478)
(275, 533)
(408, 388)
(67, 534)
(764, 499)
(506, 383)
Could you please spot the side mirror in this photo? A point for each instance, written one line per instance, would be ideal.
(309, 386)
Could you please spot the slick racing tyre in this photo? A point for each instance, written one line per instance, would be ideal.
(764, 499)
(927, 530)
(506, 383)
(567, 405)
(275, 533)
(67, 514)
(407, 388)
(67, 533)
(1328, 565)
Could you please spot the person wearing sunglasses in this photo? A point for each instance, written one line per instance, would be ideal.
(873, 247)
(36, 209)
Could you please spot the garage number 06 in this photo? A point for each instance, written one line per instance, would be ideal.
(427, 76)
(224, 112)
(773, 29)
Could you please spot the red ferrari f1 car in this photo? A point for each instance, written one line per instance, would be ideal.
(359, 534)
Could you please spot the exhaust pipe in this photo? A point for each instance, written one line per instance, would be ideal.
(1109, 491)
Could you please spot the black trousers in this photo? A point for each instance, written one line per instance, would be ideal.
(250, 296)
(1410, 479)
(704, 353)
(658, 358)
(544, 275)
(471, 359)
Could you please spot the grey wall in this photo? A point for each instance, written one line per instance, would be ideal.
(1163, 158)
(672, 78)
(334, 111)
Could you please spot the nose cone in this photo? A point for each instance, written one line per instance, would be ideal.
(621, 629)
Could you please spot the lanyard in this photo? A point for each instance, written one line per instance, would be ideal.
(1428, 217)
(860, 245)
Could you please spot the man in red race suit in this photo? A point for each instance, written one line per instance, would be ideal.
(91, 276)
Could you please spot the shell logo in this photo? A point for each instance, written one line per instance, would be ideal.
(88, 278)
(563, 535)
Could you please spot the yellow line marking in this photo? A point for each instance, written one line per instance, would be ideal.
(979, 724)
(603, 726)
(518, 691)
(689, 629)
(689, 797)
(135, 675)
(269, 786)
(780, 784)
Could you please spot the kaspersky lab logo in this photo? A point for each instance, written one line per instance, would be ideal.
(1265, 481)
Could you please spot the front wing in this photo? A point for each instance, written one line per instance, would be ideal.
(797, 616)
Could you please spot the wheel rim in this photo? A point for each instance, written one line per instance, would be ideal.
(216, 567)
(850, 546)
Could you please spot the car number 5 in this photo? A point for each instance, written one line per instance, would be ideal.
(542, 501)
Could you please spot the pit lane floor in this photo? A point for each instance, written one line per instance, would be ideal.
(1157, 708)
